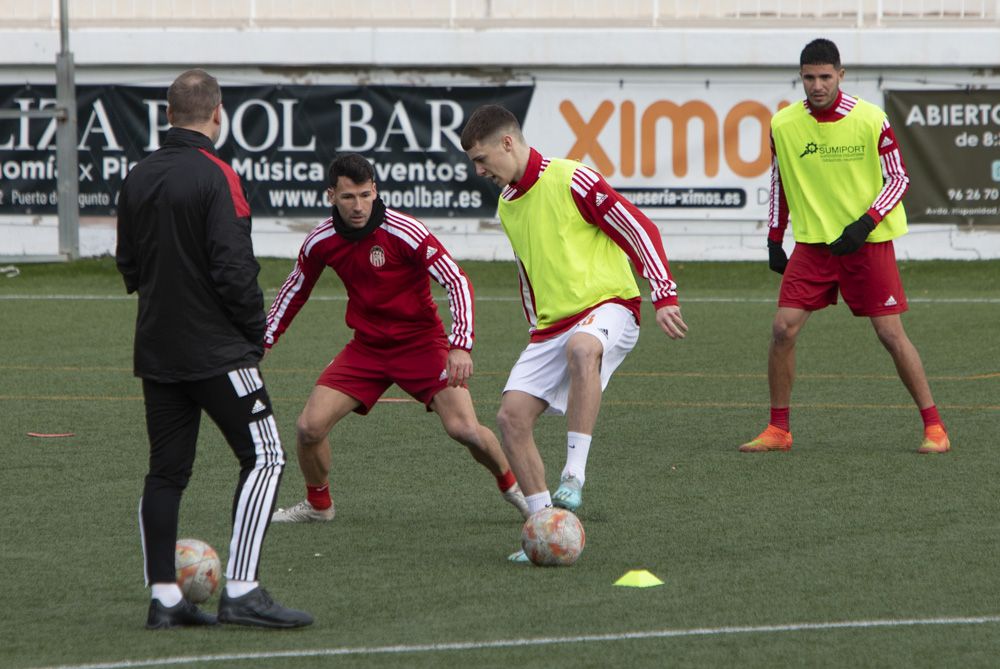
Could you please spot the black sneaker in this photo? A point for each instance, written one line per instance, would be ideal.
(184, 614)
(257, 609)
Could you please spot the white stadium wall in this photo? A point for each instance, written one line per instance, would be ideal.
(592, 89)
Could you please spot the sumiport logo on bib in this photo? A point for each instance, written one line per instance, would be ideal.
(838, 153)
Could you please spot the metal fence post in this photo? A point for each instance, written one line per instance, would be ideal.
(66, 139)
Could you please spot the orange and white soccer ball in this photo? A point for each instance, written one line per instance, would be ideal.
(198, 569)
(553, 537)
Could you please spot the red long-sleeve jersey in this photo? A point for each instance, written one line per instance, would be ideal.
(387, 279)
(895, 179)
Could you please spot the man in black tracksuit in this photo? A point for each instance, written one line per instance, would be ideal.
(184, 245)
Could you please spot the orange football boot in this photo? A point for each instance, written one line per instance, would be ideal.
(771, 439)
(935, 440)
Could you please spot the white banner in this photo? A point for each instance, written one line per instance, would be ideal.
(680, 150)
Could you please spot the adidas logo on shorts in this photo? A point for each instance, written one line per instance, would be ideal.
(891, 302)
(258, 406)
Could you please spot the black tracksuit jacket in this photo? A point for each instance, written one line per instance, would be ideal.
(184, 245)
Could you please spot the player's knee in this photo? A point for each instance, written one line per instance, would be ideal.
(463, 431)
(510, 422)
(892, 339)
(308, 433)
(783, 333)
(584, 358)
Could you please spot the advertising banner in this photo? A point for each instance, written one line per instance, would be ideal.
(279, 139)
(950, 141)
(679, 150)
(691, 150)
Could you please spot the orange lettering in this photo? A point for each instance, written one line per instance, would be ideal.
(627, 130)
(679, 117)
(731, 138)
(586, 134)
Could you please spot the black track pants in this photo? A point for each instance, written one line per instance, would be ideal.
(238, 403)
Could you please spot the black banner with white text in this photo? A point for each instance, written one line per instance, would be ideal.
(950, 141)
(279, 139)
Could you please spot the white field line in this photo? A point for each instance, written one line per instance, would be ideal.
(540, 641)
(684, 300)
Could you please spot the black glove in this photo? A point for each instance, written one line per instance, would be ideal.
(853, 237)
(777, 259)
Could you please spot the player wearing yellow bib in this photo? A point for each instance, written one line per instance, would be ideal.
(838, 174)
(573, 236)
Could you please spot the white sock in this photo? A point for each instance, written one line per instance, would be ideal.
(240, 588)
(538, 501)
(169, 594)
(577, 450)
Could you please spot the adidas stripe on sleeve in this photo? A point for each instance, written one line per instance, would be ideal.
(603, 206)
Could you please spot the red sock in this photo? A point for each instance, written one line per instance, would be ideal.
(779, 418)
(930, 416)
(506, 480)
(319, 496)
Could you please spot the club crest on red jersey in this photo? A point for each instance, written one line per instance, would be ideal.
(376, 256)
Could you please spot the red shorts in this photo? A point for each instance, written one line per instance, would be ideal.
(868, 279)
(365, 373)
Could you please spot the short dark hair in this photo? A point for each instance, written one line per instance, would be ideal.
(354, 166)
(820, 52)
(487, 122)
(193, 97)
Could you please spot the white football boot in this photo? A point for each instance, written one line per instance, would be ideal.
(515, 497)
(303, 512)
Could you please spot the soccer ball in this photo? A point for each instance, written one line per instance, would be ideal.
(198, 569)
(553, 537)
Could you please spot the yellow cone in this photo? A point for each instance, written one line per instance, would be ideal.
(638, 578)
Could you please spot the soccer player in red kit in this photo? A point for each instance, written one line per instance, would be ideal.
(385, 259)
(845, 210)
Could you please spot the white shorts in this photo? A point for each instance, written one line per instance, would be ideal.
(542, 371)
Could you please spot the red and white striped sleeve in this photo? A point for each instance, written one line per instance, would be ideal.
(446, 272)
(777, 211)
(603, 206)
(443, 269)
(299, 284)
(895, 179)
